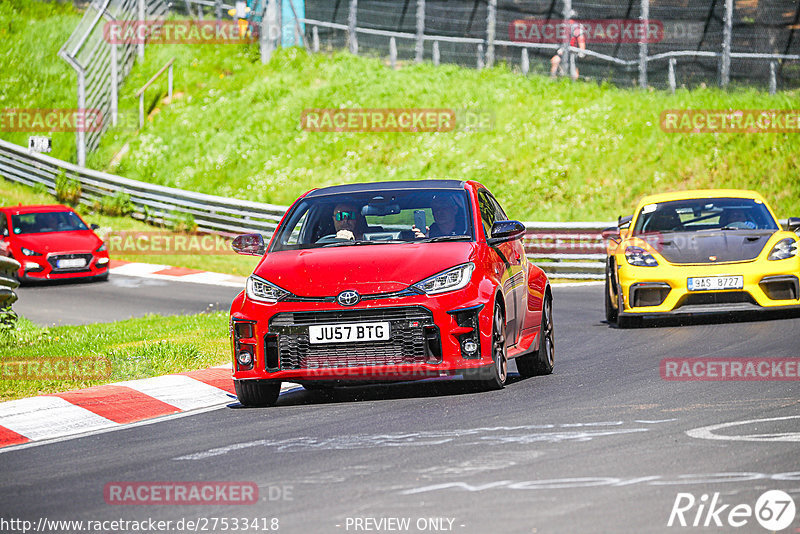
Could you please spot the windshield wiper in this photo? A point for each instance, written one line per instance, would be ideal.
(446, 238)
(351, 242)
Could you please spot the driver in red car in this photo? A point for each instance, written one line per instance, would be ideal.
(349, 222)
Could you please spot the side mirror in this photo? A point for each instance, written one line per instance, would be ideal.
(612, 234)
(624, 222)
(249, 245)
(94, 226)
(503, 231)
(793, 224)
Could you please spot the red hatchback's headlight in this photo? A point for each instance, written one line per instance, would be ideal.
(263, 291)
(449, 280)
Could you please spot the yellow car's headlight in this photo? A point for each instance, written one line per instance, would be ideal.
(639, 257)
(783, 250)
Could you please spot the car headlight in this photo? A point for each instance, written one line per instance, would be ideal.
(783, 250)
(102, 248)
(640, 257)
(29, 252)
(261, 290)
(449, 280)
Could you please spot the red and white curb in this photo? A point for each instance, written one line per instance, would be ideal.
(176, 274)
(112, 406)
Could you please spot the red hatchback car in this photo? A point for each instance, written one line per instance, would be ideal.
(390, 281)
(52, 243)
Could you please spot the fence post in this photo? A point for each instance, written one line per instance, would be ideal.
(566, 59)
(270, 30)
(218, 9)
(80, 133)
(314, 39)
(351, 27)
(393, 52)
(727, 31)
(436, 56)
(525, 63)
(491, 29)
(773, 77)
(480, 56)
(643, 17)
(114, 85)
(671, 74)
(420, 51)
(141, 16)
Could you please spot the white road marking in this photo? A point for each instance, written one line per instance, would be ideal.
(707, 432)
(183, 392)
(49, 417)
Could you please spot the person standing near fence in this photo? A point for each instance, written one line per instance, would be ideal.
(240, 13)
(577, 38)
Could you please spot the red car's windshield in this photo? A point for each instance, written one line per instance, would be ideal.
(50, 221)
(376, 217)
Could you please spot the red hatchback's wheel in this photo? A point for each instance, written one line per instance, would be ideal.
(499, 367)
(542, 361)
(257, 393)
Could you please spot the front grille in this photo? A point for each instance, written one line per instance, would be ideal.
(407, 343)
(53, 261)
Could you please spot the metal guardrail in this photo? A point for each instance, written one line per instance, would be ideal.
(8, 283)
(571, 250)
(150, 201)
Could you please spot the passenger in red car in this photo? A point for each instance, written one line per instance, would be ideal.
(348, 221)
(446, 219)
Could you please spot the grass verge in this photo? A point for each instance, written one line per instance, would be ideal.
(135, 348)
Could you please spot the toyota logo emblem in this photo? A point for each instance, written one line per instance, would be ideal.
(348, 298)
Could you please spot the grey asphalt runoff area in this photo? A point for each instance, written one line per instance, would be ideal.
(603, 445)
(120, 297)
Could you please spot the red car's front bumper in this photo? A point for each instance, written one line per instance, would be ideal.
(47, 267)
(429, 335)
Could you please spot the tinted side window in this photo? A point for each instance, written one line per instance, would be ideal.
(3, 224)
(489, 214)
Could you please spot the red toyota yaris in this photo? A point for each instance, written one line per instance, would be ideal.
(390, 281)
(52, 243)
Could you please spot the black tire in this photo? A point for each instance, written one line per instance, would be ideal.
(611, 309)
(257, 393)
(542, 361)
(498, 371)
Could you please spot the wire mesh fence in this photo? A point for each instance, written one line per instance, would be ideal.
(101, 65)
(694, 41)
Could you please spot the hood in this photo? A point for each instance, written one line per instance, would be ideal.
(325, 272)
(59, 242)
(722, 245)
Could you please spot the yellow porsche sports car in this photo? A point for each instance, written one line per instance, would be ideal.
(703, 251)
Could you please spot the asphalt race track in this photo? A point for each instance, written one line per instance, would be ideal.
(603, 445)
(121, 297)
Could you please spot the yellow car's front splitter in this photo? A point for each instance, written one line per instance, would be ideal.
(665, 289)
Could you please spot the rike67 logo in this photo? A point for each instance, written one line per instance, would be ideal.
(774, 510)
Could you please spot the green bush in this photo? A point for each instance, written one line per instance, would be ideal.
(117, 205)
(68, 190)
